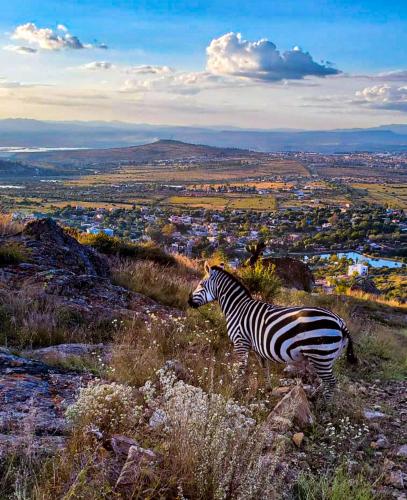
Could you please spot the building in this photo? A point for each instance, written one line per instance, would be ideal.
(359, 269)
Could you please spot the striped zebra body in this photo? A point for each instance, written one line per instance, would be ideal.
(279, 334)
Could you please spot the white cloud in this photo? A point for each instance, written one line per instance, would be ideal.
(383, 97)
(147, 69)
(47, 39)
(180, 83)
(260, 60)
(97, 65)
(20, 49)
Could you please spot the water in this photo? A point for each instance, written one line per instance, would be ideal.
(359, 258)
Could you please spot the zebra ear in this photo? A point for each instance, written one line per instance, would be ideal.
(207, 267)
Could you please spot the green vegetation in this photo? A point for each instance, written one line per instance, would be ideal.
(334, 486)
(262, 279)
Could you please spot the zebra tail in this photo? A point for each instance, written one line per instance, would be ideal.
(350, 353)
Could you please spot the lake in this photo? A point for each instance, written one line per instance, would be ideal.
(358, 257)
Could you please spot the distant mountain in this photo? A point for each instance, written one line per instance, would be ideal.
(33, 133)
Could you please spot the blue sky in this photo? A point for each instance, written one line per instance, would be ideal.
(362, 39)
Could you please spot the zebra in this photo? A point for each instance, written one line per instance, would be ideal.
(280, 334)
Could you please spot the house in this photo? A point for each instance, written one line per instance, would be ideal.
(359, 269)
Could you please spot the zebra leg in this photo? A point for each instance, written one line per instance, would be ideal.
(323, 369)
(241, 357)
(266, 369)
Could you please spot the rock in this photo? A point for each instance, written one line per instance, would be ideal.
(280, 391)
(381, 443)
(63, 352)
(158, 419)
(395, 479)
(292, 272)
(278, 424)
(61, 250)
(402, 451)
(33, 399)
(373, 414)
(298, 438)
(365, 285)
(295, 407)
(121, 445)
(137, 459)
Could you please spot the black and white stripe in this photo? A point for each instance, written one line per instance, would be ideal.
(280, 334)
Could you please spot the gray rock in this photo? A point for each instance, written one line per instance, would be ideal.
(402, 451)
(373, 414)
(33, 399)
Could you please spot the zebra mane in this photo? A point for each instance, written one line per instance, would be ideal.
(233, 278)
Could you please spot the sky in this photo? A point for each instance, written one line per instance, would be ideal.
(260, 64)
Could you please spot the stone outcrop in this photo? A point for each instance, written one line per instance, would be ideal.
(33, 399)
(60, 270)
(293, 273)
(293, 409)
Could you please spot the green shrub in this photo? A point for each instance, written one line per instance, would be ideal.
(12, 253)
(261, 279)
(111, 245)
(333, 486)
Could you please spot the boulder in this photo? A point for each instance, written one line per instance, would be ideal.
(293, 273)
(294, 407)
(46, 240)
(121, 445)
(138, 460)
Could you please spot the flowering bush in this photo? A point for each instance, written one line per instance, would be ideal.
(214, 444)
(108, 407)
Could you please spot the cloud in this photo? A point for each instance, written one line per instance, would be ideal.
(260, 60)
(20, 49)
(383, 97)
(97, 65)
(147, 69)
(393, 76)
(188, 83)
(47, 39)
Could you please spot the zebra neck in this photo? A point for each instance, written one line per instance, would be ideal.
(232, 298)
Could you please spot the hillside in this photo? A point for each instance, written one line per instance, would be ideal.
(162, 150)
(112, 388)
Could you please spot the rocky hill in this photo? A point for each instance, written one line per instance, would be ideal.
(106, 392)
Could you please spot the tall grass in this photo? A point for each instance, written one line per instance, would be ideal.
(9, 226)
(118, 247)
(169, 286)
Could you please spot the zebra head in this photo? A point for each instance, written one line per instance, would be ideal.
(206, 291)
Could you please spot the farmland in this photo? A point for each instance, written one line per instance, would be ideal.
(222, 202)
(392, 195)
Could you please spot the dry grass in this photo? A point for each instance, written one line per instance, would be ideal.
(168, 286)
(8, 226)
(31, 318)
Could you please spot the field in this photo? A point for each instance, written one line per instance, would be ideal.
(250, 202)
(185, 173)
(393, 195)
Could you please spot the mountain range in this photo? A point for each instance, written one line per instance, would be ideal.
(38, 134)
